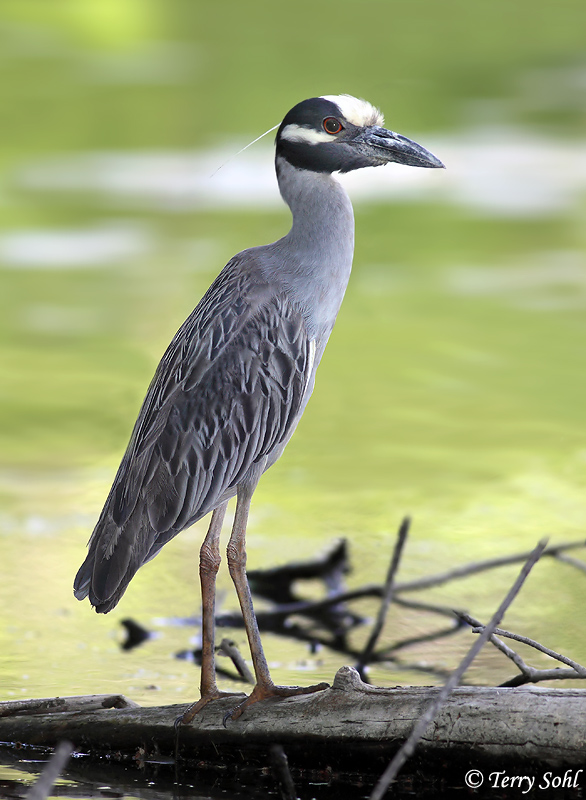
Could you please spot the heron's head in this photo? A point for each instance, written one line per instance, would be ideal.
(340, 133)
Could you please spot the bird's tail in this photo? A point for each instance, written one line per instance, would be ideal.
(115, 553)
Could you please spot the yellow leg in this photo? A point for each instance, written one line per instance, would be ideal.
(236, 554)
(209, 563)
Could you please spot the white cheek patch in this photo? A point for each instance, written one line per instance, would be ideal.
(296, 133)
(356, 111)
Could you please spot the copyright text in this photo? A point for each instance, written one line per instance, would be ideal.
(498, 779)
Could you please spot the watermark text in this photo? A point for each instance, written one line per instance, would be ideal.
(499, 779)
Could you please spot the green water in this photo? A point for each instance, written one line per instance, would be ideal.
(453, 387)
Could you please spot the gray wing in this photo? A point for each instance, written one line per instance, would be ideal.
(226, 396)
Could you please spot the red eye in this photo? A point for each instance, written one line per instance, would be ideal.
(332, 125)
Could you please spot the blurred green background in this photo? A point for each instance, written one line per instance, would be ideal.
(453, 387)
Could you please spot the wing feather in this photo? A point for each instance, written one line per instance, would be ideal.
(222, 404)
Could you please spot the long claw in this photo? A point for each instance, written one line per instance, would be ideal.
(195, 708)
(264, 692)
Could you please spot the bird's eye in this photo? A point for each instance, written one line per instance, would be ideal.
(332, 125)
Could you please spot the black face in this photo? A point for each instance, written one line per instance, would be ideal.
(315, 135)
(324, 119)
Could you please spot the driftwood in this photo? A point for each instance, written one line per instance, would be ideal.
(349, 726)
(52, 705)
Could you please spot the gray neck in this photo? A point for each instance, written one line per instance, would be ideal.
(318, 249)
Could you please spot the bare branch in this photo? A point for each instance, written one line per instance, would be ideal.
(433, 608)
(532, 643)
(376, 590)
(389, 652)
(532, 674)
(229, 648)
(500, 645)
(408, 747)
(282, 772)
(480, 566)
(387, 596)
(573, 562)
(41, 789)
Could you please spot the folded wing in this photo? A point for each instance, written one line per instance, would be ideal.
(224, 400)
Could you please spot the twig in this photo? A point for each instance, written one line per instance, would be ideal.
(229, 648)
(388, 652)
(500, 645)
(529, 674)
(420, 667)
(433, 608)
(41, 789)
(532, 675)
(532, 643)
(408, 747)
(271, 619)
(376, 590)
(387, 596)
(282, 772)
(480, 566)
(573, 562)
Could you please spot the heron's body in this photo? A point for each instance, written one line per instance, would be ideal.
(229, 391)
(236, 378)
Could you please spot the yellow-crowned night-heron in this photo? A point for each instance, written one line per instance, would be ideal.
(236, 378)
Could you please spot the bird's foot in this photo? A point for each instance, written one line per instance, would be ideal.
(262, 692)
(195, 708)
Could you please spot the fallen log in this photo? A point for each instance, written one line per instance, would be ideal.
(349, 725)
(52, 705)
